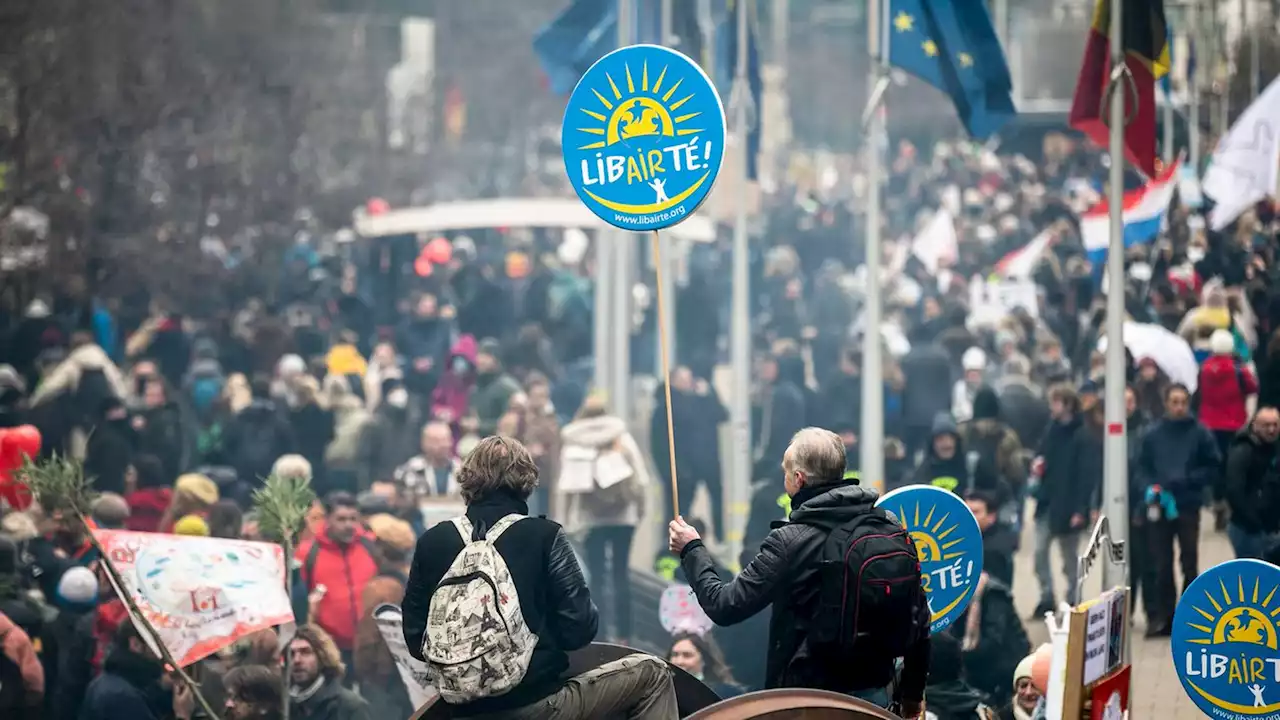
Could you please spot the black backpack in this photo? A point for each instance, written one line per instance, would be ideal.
(13, 688)
(871, 590)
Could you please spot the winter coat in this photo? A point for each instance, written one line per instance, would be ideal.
(928, 372)
(785, 575)
(255, 438)
(390, 440)
(1181, 456)
(697, 420)
(128, 689)
(70, 668)
(1064, 490)
(109, 453)
(166, 435)
(453, 392)
(424, 339)
(1224, 388)
(417, 479)
(623, 504)
(1023, 408)
(146, 507)
(553, 594)
(65, 378)
(840, 403)
(375, 668)
(331, 702)
(1002, 642)
(957, 473)
(312, 428)
(1001, 451)
(1253, 484)
(541, 434)
(956, 700)
(16, 645)
(491, 397)
(344, 571)
(776, 417)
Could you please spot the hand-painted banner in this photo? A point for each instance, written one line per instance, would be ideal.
(412, 670)
(200, 594)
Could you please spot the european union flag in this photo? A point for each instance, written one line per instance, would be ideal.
(952, 45)
(571, 43)
(726, 67)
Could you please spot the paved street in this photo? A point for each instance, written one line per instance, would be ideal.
(1157, 694)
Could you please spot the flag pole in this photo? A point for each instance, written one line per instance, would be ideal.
(664, 263)
(1193, 86)
(624, 256)
(871, 435)
(740, 324)
(1116, 477)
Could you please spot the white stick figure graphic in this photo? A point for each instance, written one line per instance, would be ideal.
(657, 186)
(1257, 695)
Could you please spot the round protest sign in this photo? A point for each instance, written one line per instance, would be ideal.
(1224, 641)
(949, 543)
(643, 137)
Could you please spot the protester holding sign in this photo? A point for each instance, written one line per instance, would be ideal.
(837, 549)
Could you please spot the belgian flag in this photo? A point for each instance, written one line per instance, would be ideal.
(1146, 50)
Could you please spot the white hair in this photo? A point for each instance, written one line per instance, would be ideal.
(818, 453)
(292, 466)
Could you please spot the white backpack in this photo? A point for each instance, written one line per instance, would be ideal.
(477, 643)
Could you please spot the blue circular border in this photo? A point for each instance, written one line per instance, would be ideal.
(584, 98)
(930, 497)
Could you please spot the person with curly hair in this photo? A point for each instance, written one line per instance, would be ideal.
(315, 680)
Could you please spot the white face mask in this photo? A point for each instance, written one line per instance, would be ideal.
(460, 365)
(1195, 254)
(398, 398)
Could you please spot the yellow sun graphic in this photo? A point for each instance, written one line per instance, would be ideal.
(929, 536)
(648, 110)
(1244, 619)
(1243, 616)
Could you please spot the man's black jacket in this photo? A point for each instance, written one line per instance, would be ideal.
(553, 594)
(786, 575)
(1253, 484)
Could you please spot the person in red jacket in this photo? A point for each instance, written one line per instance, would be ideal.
(1224, 388)
(336, 565)
(151, 495)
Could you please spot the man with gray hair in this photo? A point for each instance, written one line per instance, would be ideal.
(842, 577)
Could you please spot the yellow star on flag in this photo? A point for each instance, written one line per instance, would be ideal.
(904, 22)
(930, 48)
(966, 60)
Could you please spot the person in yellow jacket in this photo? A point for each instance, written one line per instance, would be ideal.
(344, 359)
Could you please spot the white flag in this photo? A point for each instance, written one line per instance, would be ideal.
(1243, 168)
(936, 242)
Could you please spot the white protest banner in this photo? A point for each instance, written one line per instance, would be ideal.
(200, 594)
(412, 671)
(1244, 165)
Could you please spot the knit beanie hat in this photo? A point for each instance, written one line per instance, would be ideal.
(78, 589)
(393, 532)
(1222, 342)
(193, 525)
(1023, 670)
(197, 486)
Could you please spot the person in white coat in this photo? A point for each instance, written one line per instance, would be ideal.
(974, 362)
(601, 495)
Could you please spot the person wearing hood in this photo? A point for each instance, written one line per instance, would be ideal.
(1177, 462)
(256, 436)
(951, 697)
(949, 464)
(1062, 494)
(785, 575)
(1252, 488)
(111, 447)
(974, 364)
(493, 389)
(602, 487)
(451, 400)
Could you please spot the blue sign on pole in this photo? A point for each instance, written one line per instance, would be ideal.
(1224, 640)
(643, 137)
(949, 542)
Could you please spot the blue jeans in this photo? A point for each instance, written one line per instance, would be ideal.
(1247, 544)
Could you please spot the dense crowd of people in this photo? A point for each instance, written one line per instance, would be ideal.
(179, 414)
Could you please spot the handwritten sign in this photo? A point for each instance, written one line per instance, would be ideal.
(200, 594)
(1097, 630)
(679, 611)
(413, 672)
